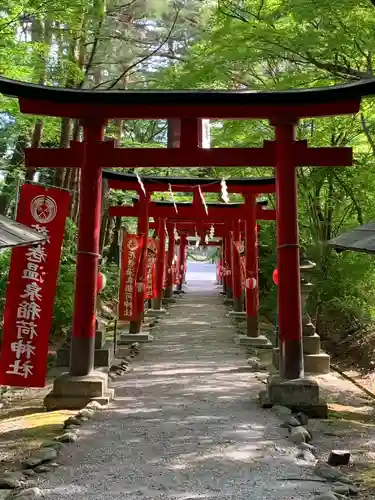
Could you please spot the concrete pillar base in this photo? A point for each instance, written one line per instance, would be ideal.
(299, 395)
(318, 364)
(154, 313)
(240, 315)
(228, 302)
(130, 338)
(238, 304)
(169, 300)
(260, 341)
(102, 357)
(74, 393)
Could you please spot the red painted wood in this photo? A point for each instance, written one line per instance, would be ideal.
(236, 266)
(84, 316)
(160, 264)
(48, 108)
(251, 258)
(289, 300)
(111, 157)
(210, 188)
(218, 214)
(143, 221)
(170, 255)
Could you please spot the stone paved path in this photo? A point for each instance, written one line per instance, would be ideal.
(185, 424)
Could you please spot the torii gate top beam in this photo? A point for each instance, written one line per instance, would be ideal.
(129, 182)
(187, 212)
(130, 104)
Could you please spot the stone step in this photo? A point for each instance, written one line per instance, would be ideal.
(130, 338)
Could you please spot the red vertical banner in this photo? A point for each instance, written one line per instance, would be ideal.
(152, 248)
(130, 258)
(31, 288)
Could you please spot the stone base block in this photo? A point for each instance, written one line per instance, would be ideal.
(260, 341)
(317, 363)
(154, 313)
(130, 338)
(319, 410)
(285, 392)
(276, 357)
(238, 315)
(228, 301)
(102, 357)
(169, 300)
(313, 363)
(74, 393)
(311, 345)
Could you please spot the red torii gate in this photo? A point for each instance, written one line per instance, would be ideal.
(161, 210)
(216, 212)
(282, 109)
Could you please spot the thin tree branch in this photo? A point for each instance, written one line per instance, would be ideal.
(143, 59)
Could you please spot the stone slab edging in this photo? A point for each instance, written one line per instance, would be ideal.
(19, 485)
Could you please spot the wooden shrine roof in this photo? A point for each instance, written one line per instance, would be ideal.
(185, 181)
(361, 239)
(317, 95)
(14, 234)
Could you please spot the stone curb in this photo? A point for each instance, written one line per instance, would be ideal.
(19, 485)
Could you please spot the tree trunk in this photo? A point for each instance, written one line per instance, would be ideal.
(35, 143)
(61, 173)
(174, 133)
(113, 252)
(11, 180)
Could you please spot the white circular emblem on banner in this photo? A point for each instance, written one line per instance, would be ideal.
(132, 244)
(43, 209)
(251, 283)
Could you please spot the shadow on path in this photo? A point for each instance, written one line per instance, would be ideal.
(185, 423)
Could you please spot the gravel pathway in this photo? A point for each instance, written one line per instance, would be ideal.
(185, 424)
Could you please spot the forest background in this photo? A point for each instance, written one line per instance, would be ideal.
(187, 44)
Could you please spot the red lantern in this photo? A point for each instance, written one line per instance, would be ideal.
(275, 277)
(101, 282)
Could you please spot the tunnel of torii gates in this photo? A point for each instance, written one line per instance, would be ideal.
(282, 109)
(198, 216)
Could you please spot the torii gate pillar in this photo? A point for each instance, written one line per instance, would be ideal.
(227, 242)
(236, 270)
(160, 268)
(253, 338)
(288, 258)
(168, 294)
(75, 389)
(143, 222)
(182, 261)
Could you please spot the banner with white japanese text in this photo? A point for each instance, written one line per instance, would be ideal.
(152, 249)
(130, 259)
(31, 288)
